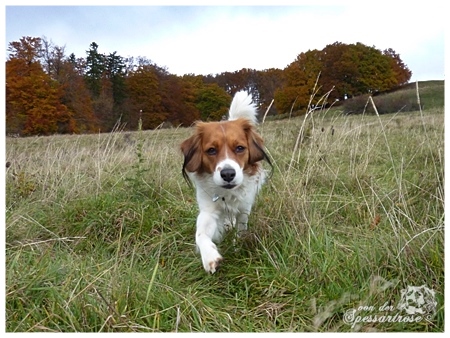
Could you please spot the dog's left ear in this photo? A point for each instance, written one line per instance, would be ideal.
(255, 145)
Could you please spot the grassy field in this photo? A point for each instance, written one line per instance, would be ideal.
(100, 231)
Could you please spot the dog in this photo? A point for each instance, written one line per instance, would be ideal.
(223, 159)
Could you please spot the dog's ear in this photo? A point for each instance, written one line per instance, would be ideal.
(192, 152)
(255, 143)
(255, 147)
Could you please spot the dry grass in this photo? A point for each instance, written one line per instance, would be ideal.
(99, 230)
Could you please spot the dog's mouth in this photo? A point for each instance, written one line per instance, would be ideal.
(229, 186)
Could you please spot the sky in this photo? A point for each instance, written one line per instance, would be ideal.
(200, 39)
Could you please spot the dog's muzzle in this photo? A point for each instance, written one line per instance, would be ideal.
(228, 175)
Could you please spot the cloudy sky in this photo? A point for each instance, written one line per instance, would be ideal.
(204, 39)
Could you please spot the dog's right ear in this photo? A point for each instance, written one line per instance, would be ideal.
(192, 152)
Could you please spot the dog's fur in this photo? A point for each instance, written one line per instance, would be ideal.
(223, 160)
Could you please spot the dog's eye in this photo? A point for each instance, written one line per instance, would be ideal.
(211, 151)
(240, 149)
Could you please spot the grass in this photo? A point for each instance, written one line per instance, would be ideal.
(100, 231)
(403, 99)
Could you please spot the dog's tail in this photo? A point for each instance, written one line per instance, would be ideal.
(242, 106)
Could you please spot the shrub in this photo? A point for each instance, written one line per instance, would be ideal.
(385, 103)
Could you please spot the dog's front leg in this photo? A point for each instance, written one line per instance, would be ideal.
(242, 221)
(207, 229)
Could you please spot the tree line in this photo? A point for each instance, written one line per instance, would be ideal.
(48, 92)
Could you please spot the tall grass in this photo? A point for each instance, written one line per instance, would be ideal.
(100, 230)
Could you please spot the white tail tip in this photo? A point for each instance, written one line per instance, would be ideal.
(243, 106)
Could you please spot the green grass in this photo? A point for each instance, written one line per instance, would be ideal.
(404, 99)
(100, 231)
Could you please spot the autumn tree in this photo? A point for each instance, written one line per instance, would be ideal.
(299, 82)
(33, 98)
(52, 58)
(267, 82)
(144, 96)
(47, 92)
(68, 72)
(232, 82)
(339, 71)
(260, 84)
(77, 97)
(401, 71)
(374, 70)
(349, 70)
(177, 99)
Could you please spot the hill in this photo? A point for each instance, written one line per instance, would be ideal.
(404, 98)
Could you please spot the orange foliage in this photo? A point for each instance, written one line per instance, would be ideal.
(33, 101)
(48, 93)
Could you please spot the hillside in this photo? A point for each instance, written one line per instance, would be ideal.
(404, 98)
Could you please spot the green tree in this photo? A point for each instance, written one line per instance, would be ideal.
(95, 67)
(105, 79)
(212, 102)
(115, 71)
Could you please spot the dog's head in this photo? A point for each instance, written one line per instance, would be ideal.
(226, 150)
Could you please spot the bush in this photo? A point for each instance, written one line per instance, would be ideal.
(385, 103)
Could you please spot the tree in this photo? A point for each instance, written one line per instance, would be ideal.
(52, 58)
(47, 92)
(260, 84)
(177, 99)
(339, 70)
(401, 71)
(299, 80)
(33, 98)
(114, 71)
(27, 49)
(105, 79)
(356, 69)
(144, 96)
(350, 70)
(267, 82)
(95, 66)
(77, 97)
(67, 72)
(212, 102)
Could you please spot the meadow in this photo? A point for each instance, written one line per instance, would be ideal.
(100, 231)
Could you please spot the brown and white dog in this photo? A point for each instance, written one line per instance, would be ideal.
(223, 160)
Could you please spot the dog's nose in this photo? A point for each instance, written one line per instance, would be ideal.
(228, 174)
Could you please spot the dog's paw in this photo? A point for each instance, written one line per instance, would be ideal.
(213, 265)
(229, 223)
(211, 260)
